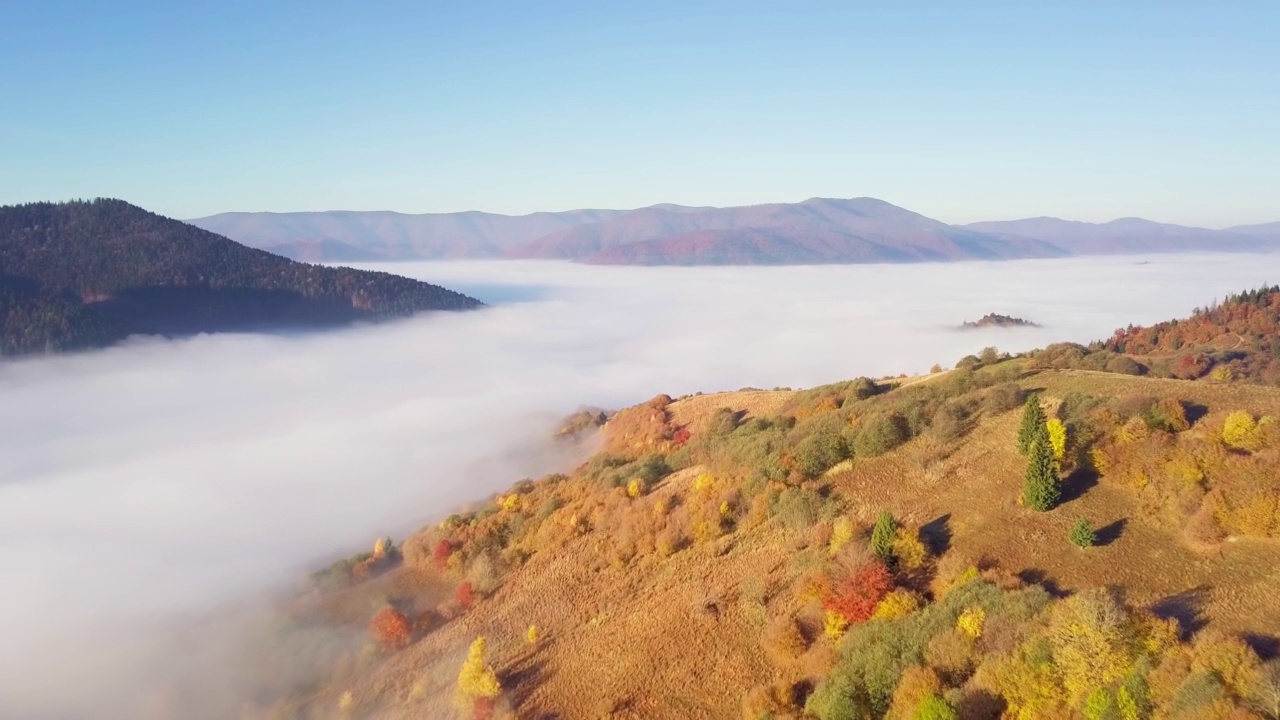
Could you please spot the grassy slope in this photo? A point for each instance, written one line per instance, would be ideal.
(680, 638)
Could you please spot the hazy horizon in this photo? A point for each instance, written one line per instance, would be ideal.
(664, 203)
(156, 480)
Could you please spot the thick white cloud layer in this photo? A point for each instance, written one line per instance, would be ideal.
(164, 477)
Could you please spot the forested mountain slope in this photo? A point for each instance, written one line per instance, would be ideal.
(84, 274)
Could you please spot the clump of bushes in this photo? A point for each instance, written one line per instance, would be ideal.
(818, 452)
(880, 434)
(1003, 398)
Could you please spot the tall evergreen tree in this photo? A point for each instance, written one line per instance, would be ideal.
(1040, 489)
(882, 536)
(1033, 425)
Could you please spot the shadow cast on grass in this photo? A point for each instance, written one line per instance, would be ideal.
(1108, 534)
(524, 678)
(1187, 607)
(1267, 646)
(1194, 411)
(1075, 485)
(936, 534)
(1036, 576)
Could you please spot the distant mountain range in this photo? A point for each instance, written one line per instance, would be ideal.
(819, 230)
(87, 274)
(342, 236)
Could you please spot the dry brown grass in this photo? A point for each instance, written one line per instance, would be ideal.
(694, 410)
(682, 637)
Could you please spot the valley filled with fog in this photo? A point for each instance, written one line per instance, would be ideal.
(163, 477)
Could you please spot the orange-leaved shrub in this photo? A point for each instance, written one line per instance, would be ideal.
(440, 554)
(856, 595)
(390, 628)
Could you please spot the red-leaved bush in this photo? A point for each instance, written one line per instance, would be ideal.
(390, 628)
(483, 709)
(1190, 366)
(680, 437)
(465, 595)
(440, 555)
(857, 594)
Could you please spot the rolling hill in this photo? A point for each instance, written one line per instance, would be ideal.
(86, 274)
(858, 550)
(818, 230)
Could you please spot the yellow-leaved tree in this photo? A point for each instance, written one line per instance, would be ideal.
(896, 604)
(1229, 659)
(1242, 432)
(908, 550)
(1057, 437)
(834, 625)
(476, 680)
(971, 621)
(1093, 641)
(842, 532)
(1029, 684)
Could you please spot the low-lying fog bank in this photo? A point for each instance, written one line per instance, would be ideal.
(163, 477)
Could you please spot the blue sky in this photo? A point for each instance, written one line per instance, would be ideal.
(961, 111)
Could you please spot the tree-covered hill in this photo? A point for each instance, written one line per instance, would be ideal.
(85, 274)
(1251, 317)
(1234, 340)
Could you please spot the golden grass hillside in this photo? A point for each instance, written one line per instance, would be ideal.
(727, 556)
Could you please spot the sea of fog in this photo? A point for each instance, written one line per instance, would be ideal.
(163, 477)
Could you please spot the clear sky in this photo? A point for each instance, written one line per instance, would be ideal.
(959, 110)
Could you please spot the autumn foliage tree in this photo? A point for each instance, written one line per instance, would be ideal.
(1242, 432)
(1057, 434)
(856, 596)
(465, 595)
(478, 684)
(390, 628)
(1093, 642)
(440, 554)
(918, 683)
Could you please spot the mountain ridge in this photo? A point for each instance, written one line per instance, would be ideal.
(814, 231)
(85, 274)
(389, 234)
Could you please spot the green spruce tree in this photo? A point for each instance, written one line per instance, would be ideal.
(1040, 490)
(1083, 535)
(882, 536)
(1033, 425)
